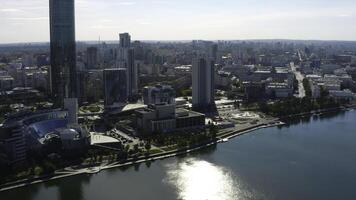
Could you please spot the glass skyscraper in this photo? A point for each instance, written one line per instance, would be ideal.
(115, 86)
(63, 50)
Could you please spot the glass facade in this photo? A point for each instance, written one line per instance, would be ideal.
(115, 86)
(63, 50)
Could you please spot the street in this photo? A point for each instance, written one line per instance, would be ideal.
(300, 79)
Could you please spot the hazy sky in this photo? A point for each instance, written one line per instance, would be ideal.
(27, 20)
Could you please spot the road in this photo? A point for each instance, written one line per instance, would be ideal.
(300, 79)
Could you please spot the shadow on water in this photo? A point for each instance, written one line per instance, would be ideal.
(68, 189)
(26, 193)
(205, 151)
(202, 152)
(148, 164)
(72, 189)
(330, 115)
(137, 167)
(296, 121)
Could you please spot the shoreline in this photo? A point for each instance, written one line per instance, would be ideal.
(60, 174)
(319, 112)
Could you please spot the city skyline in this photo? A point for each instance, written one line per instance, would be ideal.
(28, 21)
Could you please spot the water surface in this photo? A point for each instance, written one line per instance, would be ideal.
(311, 158)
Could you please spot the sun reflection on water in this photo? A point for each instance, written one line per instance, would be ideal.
(200, 180)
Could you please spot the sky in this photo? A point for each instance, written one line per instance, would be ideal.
(28, 21)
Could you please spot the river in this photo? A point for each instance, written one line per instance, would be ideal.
(311, 158)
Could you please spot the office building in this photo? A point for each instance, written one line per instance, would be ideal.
(203, 83)
(159, 94)
(92, 57)
(125, 58)
(71, 105)
(115, 90)
(13, 144)
(6, 83)
(132, 74)
(122, 51)
(213, 52)
(125, 40)
(165, 118)
(63, 50)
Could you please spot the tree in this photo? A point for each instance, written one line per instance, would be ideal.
(307, 88)
(213, 130)
(148, 146)
(136, 148)
(38, 171)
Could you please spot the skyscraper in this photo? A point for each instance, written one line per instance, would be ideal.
(213, 52)
(92, 57)
(126, 59)
(203, 83)
(115, 90)
(132, 74)
(63, 50)
(125, 40)
(124, 46)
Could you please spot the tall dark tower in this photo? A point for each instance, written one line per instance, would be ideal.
(63, 50)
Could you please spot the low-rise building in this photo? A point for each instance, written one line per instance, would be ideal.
(38, 132)
(18, 94)
(279, 90)
(254, 90)
(6, 83)
(329, 68)
(342, 95)
(189, 119)
(13, 143)
(166, 118)
(159, 94)
(315, 89)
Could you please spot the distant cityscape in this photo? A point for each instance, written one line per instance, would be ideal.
(71, 108)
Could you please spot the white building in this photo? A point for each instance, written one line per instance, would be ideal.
(126, 59)
(158, 95)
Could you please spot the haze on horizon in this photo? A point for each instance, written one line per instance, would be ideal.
(27, 20)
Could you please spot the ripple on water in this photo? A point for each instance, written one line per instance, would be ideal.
(196, 179)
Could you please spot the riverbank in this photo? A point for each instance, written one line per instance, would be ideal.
(68, 172)
(221, 137)
(319, 112)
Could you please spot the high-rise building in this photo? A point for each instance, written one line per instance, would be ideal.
(125, 40)
(92, 57)
(122, 51)
(115, 90)
(71, 105)
(203, 83)
(132, 74)
(63, 50)
(160, 94)
(126, 59)
(13, 143)
(213, 52)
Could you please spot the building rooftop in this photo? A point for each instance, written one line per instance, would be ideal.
(6, 78)
(182, 113)
(102, 139)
